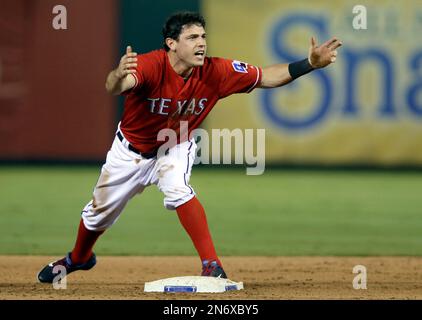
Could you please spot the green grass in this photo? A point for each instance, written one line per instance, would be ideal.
(278, 213)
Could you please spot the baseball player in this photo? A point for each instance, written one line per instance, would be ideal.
(162, 88)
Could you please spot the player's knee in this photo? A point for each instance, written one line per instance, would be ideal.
(98, 217)
(96, 224)
(175, 196)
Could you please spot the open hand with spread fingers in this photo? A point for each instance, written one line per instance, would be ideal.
(325, 54)
(127, 63)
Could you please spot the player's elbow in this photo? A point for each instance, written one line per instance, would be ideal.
(107, 87)
(112, 90)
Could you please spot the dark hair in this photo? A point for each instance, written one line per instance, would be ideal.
(174, 24)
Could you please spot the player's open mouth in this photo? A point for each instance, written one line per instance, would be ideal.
(200, 53)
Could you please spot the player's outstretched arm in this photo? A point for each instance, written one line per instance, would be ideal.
(121, 78)
(319, 57)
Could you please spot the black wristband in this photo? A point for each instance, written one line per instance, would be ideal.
(299, 68)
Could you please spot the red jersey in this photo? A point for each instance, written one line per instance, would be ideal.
(161, 98)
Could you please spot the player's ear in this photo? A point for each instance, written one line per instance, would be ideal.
(171, 43)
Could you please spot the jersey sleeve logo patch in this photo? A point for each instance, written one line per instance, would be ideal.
(239, 66)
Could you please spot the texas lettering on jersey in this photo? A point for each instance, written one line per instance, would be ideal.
(184, 107)
(161, 97)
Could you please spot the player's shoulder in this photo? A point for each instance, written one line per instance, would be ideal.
(214, 63)
(224, 64)
(154, 56)
(220, 61)
(215, 60)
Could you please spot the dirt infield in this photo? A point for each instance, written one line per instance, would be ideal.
(264, 278)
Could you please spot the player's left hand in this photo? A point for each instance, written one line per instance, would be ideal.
(325, 54)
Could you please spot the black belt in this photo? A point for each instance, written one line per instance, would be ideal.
(132, 148)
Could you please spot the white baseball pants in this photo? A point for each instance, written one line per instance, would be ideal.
(126, 174)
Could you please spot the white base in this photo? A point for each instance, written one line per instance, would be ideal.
(193, 284)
